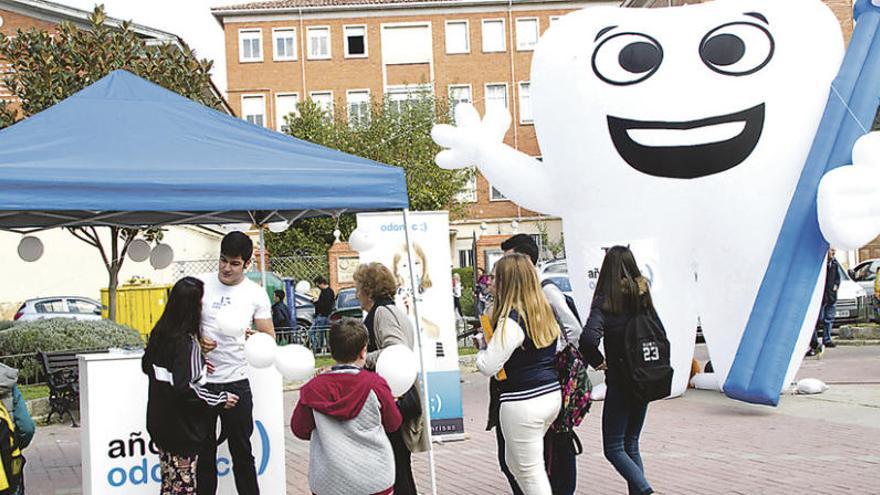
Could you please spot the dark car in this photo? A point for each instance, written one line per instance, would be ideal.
(347, 305)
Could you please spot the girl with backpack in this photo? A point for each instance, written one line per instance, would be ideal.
(620, 298)
(177, 406)
(523, 345)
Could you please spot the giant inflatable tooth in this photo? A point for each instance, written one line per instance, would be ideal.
(681, 132)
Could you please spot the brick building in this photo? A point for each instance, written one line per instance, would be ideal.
(342, 53)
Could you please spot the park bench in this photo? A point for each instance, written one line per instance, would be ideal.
(62, 376)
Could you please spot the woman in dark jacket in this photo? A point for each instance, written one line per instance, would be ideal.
(621, 292)
(177, 404)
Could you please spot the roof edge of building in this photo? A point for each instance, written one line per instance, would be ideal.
(240, 10)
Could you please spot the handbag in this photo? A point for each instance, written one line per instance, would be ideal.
(410, 403)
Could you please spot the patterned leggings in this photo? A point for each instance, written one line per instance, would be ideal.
(178, 474)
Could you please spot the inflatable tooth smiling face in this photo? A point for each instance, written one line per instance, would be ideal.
(682, 132)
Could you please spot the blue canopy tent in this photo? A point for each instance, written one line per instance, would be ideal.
(125, 152)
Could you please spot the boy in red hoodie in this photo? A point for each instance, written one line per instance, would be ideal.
(346, 413)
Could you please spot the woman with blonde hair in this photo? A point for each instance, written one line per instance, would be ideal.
(523, 345)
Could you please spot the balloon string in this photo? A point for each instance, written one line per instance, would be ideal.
(848, 109)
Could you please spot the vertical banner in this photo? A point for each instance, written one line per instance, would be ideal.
(429, 233)
(118, 456)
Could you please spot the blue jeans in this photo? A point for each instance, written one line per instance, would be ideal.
(317, 332)
(622, 420)
(826, 316)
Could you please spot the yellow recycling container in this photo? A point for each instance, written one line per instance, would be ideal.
(137, 306)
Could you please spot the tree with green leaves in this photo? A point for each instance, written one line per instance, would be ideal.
(395, 133)
(47, 67)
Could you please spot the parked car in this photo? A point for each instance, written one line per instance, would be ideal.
(865, 273)
(852, 300)
(553, 266)
(74, 307)
(561, 280)
(305, 311)
(347, 305)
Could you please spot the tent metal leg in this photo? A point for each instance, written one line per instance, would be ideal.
(262, 255)
(424, 377)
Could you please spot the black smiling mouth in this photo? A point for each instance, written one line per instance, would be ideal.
(688, 162)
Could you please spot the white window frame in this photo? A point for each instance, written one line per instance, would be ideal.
(468, 193)
(366, 41)
(275, 56)
(470, 89)
(348, 105)
(402, 93)
(328, 92)
(309, 45)
(519, 102)
(259, 33)
(503, 35)
(486, 95)
(519, 47)
(492, 197)
(467, 35)
(254, 95)
(279, 121)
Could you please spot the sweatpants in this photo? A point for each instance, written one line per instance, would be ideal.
(524, 423)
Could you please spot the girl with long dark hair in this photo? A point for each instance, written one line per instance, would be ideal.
(178, 403)
(621, 292)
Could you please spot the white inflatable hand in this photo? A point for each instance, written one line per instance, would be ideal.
(848, 201)
(467, 138)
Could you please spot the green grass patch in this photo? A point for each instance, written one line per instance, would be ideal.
(467, 351)
(30, 392)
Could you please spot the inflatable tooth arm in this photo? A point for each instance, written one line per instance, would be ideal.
(475, 142)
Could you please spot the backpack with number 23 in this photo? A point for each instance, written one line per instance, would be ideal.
(646, 357)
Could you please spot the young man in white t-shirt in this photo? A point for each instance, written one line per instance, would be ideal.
(229, 295)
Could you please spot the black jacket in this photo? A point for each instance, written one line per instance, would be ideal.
(178, 406)
(832, 282)
(326, 301)
(281, 316)
(612, 327)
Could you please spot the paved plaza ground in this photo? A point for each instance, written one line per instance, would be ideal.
(701, 443)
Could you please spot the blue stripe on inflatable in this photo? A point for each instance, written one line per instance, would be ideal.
(766, 348)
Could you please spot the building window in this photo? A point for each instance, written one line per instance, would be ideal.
(358, 107)
(399, 98)
(406, 44)
(284, 44)
(250, 45)
(459, 93)
(253, 109)
(285, 105)
(493, 35)
(526, 33)
(324, 100)
(355, 41)
(457, 37)
(495, 194)
(525, 103)
(468, 193)
(465, 257)
(496, 98)
(319, 42)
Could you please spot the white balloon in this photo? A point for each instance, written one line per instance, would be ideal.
(161, 256)
(295, 362)
(397, 365)
(278, 227)
(138, 250)
(30, 248)
(598, 392)
(303, 287)
(360, 241)
(259, 350)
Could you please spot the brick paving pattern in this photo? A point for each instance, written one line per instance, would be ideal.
(699, 444)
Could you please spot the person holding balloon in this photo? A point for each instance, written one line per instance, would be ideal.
(178, 405)
(232, 305)
(389, 327)
(523, 345)
(346, 413)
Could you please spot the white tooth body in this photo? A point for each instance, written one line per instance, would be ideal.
(687, 137)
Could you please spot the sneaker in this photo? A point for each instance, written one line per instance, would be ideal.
(820, 350)
(811, 352)
(830, 344)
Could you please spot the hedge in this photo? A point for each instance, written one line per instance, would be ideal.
(467, 290)
(4, 324)
(60, 334)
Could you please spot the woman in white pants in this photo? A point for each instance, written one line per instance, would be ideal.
(521, 353)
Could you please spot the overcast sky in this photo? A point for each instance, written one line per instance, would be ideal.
(189, 19)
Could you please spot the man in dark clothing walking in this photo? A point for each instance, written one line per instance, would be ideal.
(281, 313)
(323, 307)
(829, 300)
